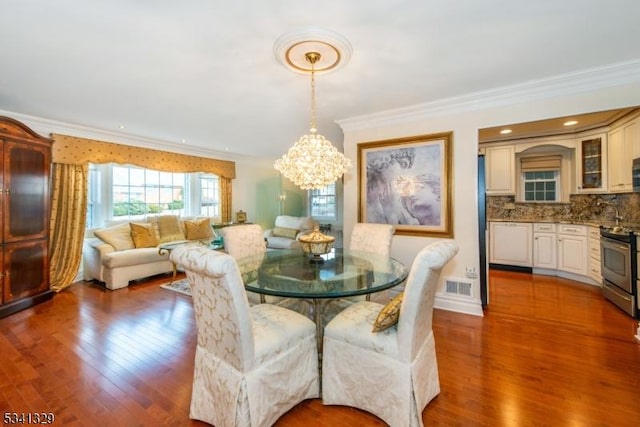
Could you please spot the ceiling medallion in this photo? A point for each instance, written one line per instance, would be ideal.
(290, 50)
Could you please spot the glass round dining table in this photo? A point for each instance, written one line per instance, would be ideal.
(343, 273)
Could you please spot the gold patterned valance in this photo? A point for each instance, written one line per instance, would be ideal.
(80, 151)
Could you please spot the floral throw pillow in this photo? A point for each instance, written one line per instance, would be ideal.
(389, 314)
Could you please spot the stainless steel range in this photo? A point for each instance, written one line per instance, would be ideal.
(619, 259)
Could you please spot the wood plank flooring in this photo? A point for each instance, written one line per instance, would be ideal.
(547, 352)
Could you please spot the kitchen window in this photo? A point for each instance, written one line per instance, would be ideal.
(540, 186)
(541, 178)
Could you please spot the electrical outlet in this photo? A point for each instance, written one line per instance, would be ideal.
(471, 272)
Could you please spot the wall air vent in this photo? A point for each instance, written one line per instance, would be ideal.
(456, 287)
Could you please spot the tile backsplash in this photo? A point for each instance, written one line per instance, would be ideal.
(581, 208)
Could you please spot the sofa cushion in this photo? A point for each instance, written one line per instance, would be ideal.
(198, 229)
(169, 228)
(289, 233)
(118, 236)
(129, 257)
(283, 243)
(143, 235)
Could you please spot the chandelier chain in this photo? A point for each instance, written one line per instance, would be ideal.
(312, 162)
(313, 128)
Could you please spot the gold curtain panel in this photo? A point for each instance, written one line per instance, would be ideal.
(80, 151)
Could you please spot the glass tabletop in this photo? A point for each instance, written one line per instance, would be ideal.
(288, 273)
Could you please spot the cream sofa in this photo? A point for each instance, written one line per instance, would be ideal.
(111, 256)
(288, 230)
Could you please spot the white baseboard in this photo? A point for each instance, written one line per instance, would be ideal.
(458, 305)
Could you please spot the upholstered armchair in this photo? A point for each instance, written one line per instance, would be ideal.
(252, 364)
(396, 374)
(287, 230)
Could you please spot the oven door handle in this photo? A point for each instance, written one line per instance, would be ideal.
(611, 243)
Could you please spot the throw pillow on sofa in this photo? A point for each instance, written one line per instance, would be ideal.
(143, 235)
(198, 229)
(285, 232)
(118, 236)
(169, 228)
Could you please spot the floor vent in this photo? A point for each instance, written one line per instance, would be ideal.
(458, 288)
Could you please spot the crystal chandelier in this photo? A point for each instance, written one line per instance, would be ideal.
(313, 162)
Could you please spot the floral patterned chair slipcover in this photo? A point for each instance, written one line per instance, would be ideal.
(396, 374)
(243, 241)
(372, 239)
(252, 364)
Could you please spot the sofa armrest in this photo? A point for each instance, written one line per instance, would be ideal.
(100, 245)
(93, 252)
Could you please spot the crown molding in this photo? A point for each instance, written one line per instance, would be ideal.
(565, 84)
(46, 127)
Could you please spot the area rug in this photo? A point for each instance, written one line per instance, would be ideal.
(181, 286)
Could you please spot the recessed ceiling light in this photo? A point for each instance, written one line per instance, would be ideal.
(183, 140)
(505, 131)
(227, 149)
(570, 122)
(122, 127)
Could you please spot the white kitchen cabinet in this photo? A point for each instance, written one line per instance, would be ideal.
(624, 146)
(591, 163)
(573, 249)
(510, 243)
(594, 254)
(500, 170)
(544, 246)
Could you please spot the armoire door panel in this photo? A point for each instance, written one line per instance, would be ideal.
(26, 198)
(26, 267)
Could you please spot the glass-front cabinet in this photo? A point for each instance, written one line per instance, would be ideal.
(591, 161)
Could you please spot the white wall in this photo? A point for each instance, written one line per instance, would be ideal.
(464, 117)
(614, 87)
(249, 172)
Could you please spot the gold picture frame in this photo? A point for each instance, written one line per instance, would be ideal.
(407, 182)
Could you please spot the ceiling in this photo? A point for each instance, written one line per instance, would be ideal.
(555, 126)
(203, 73)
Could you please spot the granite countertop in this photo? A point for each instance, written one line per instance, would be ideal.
(589, 223)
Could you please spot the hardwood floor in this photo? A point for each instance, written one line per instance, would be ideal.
(548, 352)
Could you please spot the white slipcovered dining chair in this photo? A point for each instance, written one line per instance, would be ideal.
(243, 241)
(372, 239)
(396, 374)
(252, 364)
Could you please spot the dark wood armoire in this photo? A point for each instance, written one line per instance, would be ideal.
(25, 167)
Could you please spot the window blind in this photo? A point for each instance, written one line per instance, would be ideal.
(541, 163)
